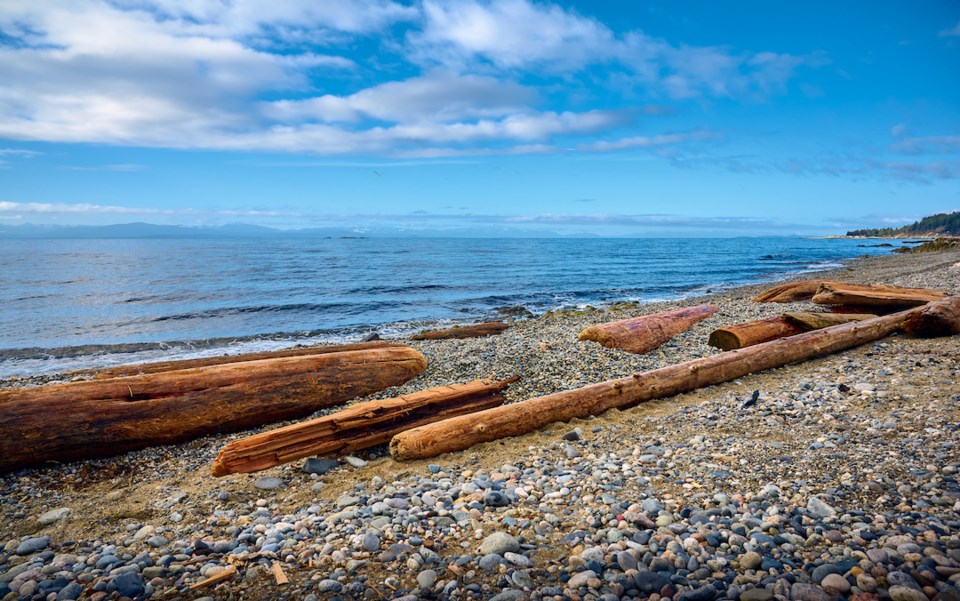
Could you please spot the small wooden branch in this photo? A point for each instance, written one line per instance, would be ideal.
(643, 334)
(490, 328)
(218, 577)
(278, 574)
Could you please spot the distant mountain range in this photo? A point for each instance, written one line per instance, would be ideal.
(941, 224)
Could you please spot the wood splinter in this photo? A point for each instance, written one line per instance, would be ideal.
(278, 574)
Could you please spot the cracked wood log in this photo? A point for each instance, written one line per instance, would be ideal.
(936, 319)
(357, 427)
(817, 321)
(643, 334)
(750, 333)
(789, 293)
(82, 420)
(160, 366)
(515, 419)
(835, 293)
(490, 328)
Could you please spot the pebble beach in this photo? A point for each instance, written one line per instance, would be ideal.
(839, 481)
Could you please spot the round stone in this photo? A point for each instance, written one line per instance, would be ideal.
(499, 543)
(750, 560)
(835, 584)
(268, 483)
(426, 579)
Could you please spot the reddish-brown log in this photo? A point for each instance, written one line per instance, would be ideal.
(789, 293)
(491, 328)
(99, 418)
(752, 332)
(816, 321)
(357, 427)
(643, 334)
(835, 293)
(936, 319)
(519, 418)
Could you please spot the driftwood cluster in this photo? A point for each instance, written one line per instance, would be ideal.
(133, 407)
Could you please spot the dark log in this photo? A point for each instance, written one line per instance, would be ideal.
(491, 328)
(936, 319)
(519, 418)
(99, 418)
(643, 334)
(357, 427)
(835, 293)
(752, 332)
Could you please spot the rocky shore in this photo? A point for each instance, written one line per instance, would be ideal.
(840, 481)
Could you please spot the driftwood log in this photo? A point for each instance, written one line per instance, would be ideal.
(490, 328)
(357, 427)
(99, 418)
(753, 332)
(816, 321)
(835, 293)
(643, 334)
(789, 293)
(160, 366)
(520, 418)
(936, 319)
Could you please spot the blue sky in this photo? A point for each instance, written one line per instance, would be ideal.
(609, 118)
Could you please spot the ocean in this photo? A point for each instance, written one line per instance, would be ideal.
(77, 304)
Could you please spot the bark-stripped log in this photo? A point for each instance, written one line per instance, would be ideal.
(936, 319)
(104, 417)
(490, 328)
(357, 427)
(863, 309)
(789, 293)
(159, 366)
(835, 293)
(817, 321)
(643, 334)
(752, 332)
(520, 418)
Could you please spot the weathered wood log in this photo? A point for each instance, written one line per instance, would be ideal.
(526, 416)
(752, 332)
(936, 319)
(817, 321)
(790, 292)
(835, 293)
(99, 418)
(357, 427)
(643, 334)
(160, 366)
(863, 309)
(490, 328)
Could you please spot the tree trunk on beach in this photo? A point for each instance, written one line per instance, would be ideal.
(475, 331)
(643, 334)
(789, 293)
(936, 319)
(817, 321)
(752, 332)
(835, 293)
(357, 427)
(99, 418)
(520, 418)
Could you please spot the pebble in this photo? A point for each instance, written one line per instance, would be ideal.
(355, 461)
(268, 483)
(33, 545)
(426, 579)
(319, 465)
(499, 543)
(53, 516)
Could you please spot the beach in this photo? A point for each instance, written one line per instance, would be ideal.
(841, 480)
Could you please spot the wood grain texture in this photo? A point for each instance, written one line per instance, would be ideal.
(643, 334)
(490, 328)
(752, 332)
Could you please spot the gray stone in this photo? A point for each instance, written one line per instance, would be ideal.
(580, 579)
(495, 498)
(756, 594)
(129, 584)
(878, 555)
(802, 591)
(517, 559)
(821, 572)
(71, 592)
(355, 461)
(704, 593)
(651, 506)
(897, 578)
(329, 586)
(750, 560)
(649, 581)
(157, 541)
(835, 584)
(509, 595)
(490, 562)
(319, 465)
(818, 508)
(54, 515)
(426, 579)
(371, 542)
(499, 543)
(268, 483)
(905, 593)
(626, 561)
(32, 545)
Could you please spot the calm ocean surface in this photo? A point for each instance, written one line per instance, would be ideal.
(70, 304)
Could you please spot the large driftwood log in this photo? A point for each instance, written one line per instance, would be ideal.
(519, 418)
(643, 334)
(816, 321)
(357, 427)
(752, 332)
(835, 293)
(490, 328)
(159, 366)
(104, 417)
(936, 319)
(790, 292)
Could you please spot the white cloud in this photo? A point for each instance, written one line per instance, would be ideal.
(656, 141)
(952, 32)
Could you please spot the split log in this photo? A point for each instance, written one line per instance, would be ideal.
(490, 328)
(643, 334)
(753, 332)
(160, 366)
(936, 319)
(526, 416)
(835, 293)
(789, 293)
(358, 427)
(863, 309)
(82, 420)
(817, 321)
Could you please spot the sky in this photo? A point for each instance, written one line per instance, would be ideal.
(573, 118)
